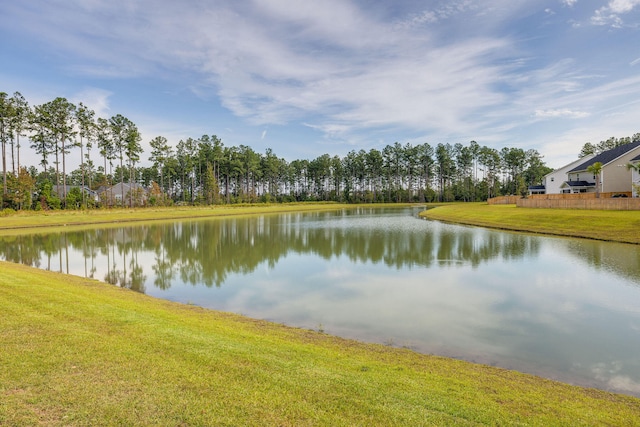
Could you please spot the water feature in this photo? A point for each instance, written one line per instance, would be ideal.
(566, 309)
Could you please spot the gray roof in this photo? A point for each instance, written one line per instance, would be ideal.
(636, 158)
(58, 189)
(122, 188)
(608, 156)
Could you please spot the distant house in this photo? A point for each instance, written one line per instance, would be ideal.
(553, 181)
(124, 194)
(614, 177)
(63, 190)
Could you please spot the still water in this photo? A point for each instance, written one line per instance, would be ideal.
(565, 309)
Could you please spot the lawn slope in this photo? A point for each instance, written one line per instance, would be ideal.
(28, 221)
(78, 352)
(615, 226)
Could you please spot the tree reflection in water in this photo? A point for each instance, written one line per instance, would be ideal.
(205, 252)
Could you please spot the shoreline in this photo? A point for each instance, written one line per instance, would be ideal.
(603, 225)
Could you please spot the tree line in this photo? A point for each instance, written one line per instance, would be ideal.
(205, 171)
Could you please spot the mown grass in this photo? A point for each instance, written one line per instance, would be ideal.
(19, 222)
(78, 352)
(617, 226)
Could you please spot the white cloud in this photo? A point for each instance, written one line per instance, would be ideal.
(610, 14)
(443, 12)
(623, 6)
(96, 99)
(357, 74)
(354, 79)
(564, 112)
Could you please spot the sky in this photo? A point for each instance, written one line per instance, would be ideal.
(306, 78)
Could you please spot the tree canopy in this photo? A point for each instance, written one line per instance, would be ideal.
(203, 170)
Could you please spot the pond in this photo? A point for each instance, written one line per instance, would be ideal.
(565, 309)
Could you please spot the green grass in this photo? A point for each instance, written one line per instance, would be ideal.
(616, 226)
(21, 221)
(77, 352)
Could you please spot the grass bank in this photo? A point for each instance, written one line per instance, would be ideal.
(27, 221)
(615, 226)
(79, 352)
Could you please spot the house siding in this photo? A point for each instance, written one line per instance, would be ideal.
(119, 194)
(616, 176)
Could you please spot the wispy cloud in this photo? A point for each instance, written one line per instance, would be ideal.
(610, 14)
(397, 78)
(561, 113)
(441, 13)
(96, 99)
(354, 74)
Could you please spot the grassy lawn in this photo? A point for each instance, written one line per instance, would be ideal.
(618, 226)
(78, 352)
(19, 222)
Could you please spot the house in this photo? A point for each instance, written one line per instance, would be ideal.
(124, 194)
(614, 177)
(553, 181)
(63, 190)
(635, 176)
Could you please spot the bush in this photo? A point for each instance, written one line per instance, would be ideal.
(7, 212)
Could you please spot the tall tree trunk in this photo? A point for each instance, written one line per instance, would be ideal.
(84, 201)
(64, 176)
(4, 164)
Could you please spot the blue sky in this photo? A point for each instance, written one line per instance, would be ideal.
(307, 78)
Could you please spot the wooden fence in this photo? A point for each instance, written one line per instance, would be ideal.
(607, 201)
(503, 200)
(616, 204)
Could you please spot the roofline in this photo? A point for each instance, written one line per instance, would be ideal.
(633, 145)
(569, 165)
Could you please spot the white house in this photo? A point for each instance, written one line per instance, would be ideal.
(553, 181)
